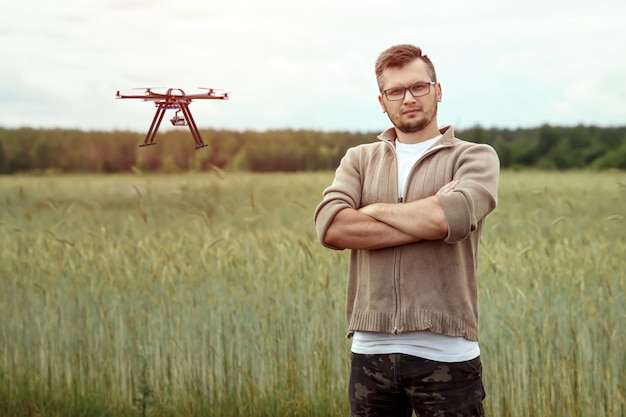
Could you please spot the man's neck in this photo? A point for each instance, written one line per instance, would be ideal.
(428, 132)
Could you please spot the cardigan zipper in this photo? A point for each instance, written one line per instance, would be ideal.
(396, 290)
(396, 283)
(395, 262)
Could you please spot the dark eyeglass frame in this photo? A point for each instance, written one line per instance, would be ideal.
(410, 89)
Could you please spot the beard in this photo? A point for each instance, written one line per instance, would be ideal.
(413, 125)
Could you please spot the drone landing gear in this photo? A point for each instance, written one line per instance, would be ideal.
(154, 126)
(184, 107)
(186, 119)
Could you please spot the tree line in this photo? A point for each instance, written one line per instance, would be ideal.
(66, 150)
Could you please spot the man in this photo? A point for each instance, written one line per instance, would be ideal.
(411, 208)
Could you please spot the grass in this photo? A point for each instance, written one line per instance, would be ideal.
(194, 295)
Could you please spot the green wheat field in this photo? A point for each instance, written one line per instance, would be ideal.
(209, 295)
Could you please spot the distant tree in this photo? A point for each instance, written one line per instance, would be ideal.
(523, 151)
(615, 159)
(2, 159)
(503, 149)
(549, 138)
(18, 162)
(41, 156)
(476, 134)
(593, 152)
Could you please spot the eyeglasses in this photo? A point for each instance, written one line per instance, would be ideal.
(416, 90)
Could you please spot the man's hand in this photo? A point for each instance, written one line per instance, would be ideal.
(448, 187)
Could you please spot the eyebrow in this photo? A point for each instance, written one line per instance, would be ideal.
(409, 85)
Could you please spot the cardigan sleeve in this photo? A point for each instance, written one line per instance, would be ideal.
(344, 192)
(476, 195)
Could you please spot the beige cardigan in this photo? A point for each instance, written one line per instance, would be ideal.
(431, 284)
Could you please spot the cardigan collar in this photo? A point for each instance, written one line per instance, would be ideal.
(447, 133)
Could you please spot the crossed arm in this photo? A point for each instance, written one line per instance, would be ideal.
(382, 225)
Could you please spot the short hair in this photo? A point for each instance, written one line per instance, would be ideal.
(398, 56)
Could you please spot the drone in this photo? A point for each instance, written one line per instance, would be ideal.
(174, 99)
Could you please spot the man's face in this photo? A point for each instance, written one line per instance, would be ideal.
(410, 114)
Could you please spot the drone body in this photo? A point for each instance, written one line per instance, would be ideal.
(174, 99)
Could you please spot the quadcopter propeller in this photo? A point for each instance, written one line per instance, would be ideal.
(215, 90)
(149, 90)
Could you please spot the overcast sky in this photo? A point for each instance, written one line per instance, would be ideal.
(309, 64)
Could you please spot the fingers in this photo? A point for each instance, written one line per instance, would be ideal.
(448, 187)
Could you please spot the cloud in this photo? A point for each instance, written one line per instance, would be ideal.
(309, 64)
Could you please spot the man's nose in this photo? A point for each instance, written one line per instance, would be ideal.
(408, 97)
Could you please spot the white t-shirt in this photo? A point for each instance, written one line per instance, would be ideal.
(407, 155)
(424, 344)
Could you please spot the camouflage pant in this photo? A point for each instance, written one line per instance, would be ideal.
(395, 385)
